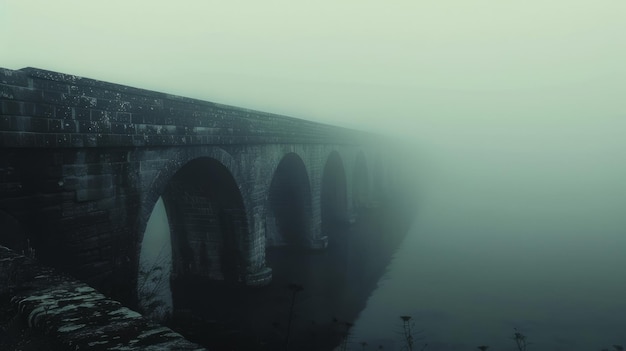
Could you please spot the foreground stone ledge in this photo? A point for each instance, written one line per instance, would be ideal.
(75, 314)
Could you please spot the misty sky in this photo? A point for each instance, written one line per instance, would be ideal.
(422, 68)
(518, 109)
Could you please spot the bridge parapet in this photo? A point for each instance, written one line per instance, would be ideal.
(41, 108)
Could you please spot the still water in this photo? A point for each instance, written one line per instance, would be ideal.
(531, 236)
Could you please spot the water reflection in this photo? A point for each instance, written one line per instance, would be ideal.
(336, 283)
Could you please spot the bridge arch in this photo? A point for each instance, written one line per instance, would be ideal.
(289, 204)
(208, 221)
(155, 187)
(208, 226)
(334, 192)
(360, 182)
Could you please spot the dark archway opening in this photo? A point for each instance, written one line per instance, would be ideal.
(289, 200)
(207, 221)
(334, 193)
(360, 192)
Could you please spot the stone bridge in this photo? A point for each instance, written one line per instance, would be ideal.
(83, 162)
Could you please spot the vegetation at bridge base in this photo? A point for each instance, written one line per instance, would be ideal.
(408, 337)
(151, 281)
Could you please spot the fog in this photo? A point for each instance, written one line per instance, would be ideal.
(424, 66)
(529, 235)
(514, 113)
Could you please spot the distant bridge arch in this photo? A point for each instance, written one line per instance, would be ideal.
(289, 204)
(361, 181)
(334, 192)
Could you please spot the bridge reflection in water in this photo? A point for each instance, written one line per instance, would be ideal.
(336, 283)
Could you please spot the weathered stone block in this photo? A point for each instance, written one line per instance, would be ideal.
(64, 112)
(93, 194)
(10, 77)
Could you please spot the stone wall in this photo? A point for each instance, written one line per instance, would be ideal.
(72, 314)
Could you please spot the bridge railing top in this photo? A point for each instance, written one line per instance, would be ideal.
(50, 109)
